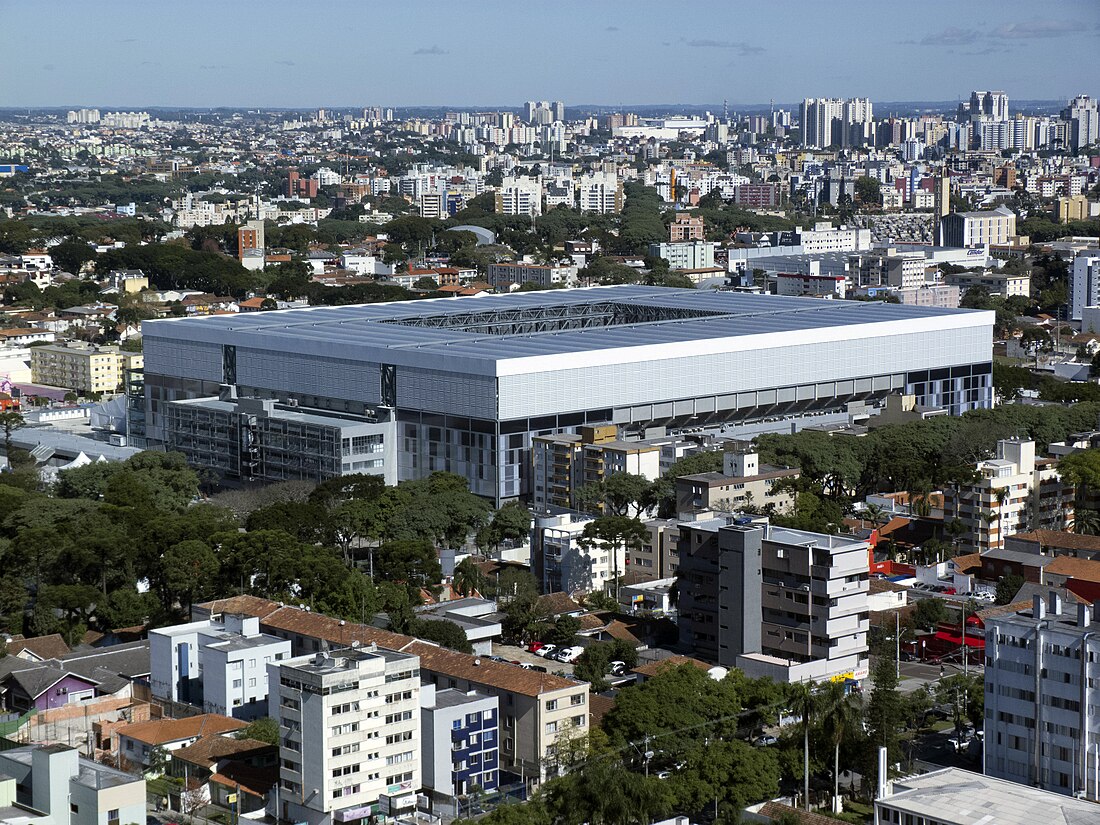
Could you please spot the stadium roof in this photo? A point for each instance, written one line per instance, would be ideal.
(552, 322)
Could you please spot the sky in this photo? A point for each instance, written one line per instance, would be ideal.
(310, 53)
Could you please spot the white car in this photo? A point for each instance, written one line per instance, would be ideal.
(569, 654)
(546, 651)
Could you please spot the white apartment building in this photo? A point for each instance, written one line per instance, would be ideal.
(817, 286)
(520, 273)
(973, 229)
(220, 666)
(1000, 502)
(1084, 286)
(349, 734)
(995, 281)
(1083, 116)
(567, 565)
(599, 192)
(1042, 697)
(519, 196)
(825, 238)
(685, 254)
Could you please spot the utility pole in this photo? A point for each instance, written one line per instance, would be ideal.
(897, 644)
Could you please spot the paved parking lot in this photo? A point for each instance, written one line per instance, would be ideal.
(513, 653)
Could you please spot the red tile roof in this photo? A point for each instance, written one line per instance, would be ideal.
(162, 731)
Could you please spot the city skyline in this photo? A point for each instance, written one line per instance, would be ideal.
(436, 54)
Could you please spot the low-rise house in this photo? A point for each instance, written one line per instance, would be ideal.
(137, 742)
(39, 648)
(74, 677)
(224, 766)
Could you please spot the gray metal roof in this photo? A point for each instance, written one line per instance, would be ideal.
(736, 315)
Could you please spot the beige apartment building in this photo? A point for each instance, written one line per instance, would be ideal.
(83, 368)
(743, 482)
(562, 463)
(1013, 493)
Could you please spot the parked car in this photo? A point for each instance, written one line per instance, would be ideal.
(765, 741)
(569, 654)
(616, 668)
(546, 651)
(535, 647)
(664, 774)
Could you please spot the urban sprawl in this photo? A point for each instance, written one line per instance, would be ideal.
(551, 465)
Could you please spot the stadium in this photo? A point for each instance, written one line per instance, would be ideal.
(461, 384)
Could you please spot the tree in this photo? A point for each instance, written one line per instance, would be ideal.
(868, 191)
(1082, 469)
(71, 254)
(966, 694)
(606, 793)
(800, 696)
(468, 578)
(884, 708)
(190, 568)
(592, 664)
(841, 715)
(10, 421)
(563, 631)
(1086, 521)
(264, 729)
(441, 631)
(1007, 588)
(929, 612)
(426, 283)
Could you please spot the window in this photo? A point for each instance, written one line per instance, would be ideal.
(576, 699)
(551, 727)
(74, 808)
(552, 704)
(578, 721)
(237, 683)
(112, 815)
(252, 683)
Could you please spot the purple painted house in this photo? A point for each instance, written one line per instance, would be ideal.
(44, 688)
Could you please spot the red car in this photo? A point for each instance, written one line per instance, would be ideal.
(534, 646)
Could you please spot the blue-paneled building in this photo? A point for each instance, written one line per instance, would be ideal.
(460, 741)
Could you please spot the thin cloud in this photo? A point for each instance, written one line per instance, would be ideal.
(740, 46)
(611, 29)
(951, 36)
(48, 67)
(983, 52)
(1036, 29)
(128, 40)
(285, 62)
(213, 67)
(431, 50)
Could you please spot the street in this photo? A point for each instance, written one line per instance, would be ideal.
(914, 675)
